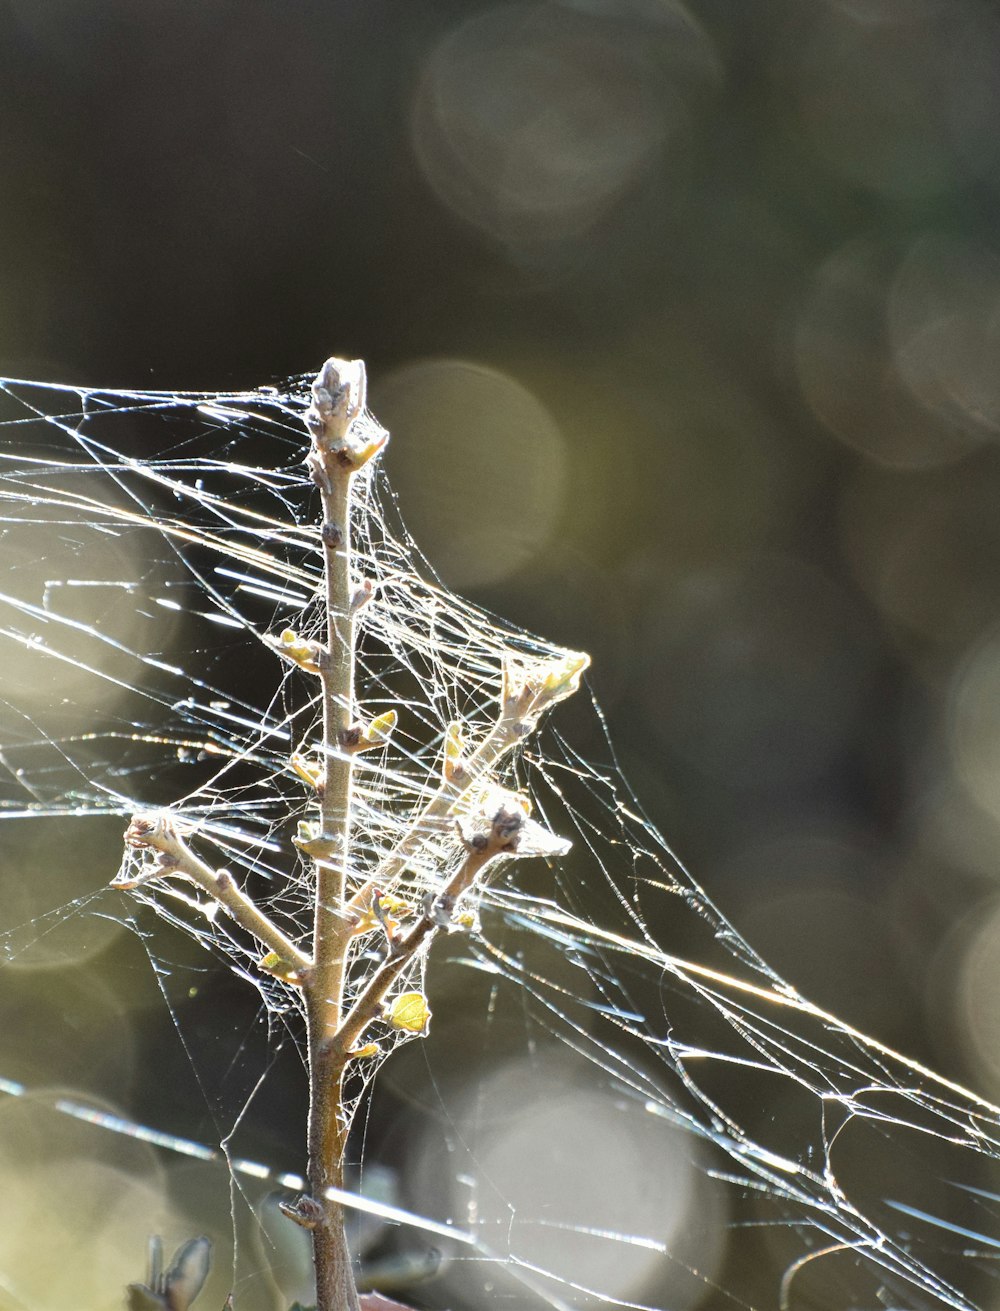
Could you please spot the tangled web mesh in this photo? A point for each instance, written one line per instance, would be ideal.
(694, 1131)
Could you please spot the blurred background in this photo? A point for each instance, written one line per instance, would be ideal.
(686, 321)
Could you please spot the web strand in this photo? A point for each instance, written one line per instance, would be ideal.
(780, 1157)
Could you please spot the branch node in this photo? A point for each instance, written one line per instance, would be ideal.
(301, 651)
(318, 473)
(363, 737)
(384, 911)
(304, 1211)
(309, 771)
(279, 968)
(349, 739)
(332, 535)
(314, 842)
(438, 909)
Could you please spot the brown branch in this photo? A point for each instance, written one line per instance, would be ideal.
(343, 440)
(158, 832)
(527, 691)
(500, 837)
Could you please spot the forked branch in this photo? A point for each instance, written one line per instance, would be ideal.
(488, 823)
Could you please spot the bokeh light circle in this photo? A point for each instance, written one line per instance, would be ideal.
(755, 672)
(82, 618)
(926, 549)
(77, 1207)
(43, 868)
(563, 1168)
(975, 722)
(944, 323)
(868, 97)
(532, 121)
(479, 463)
(977, 995)
(849, 364)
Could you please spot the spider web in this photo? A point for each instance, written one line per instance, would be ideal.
(620, 1103)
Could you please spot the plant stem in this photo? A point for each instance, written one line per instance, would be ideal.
(331, 926)
(338, 401)
(489, 822)
(335, 1290)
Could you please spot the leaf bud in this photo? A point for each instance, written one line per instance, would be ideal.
(300, 650)
(453, 765)
(409, 1012)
